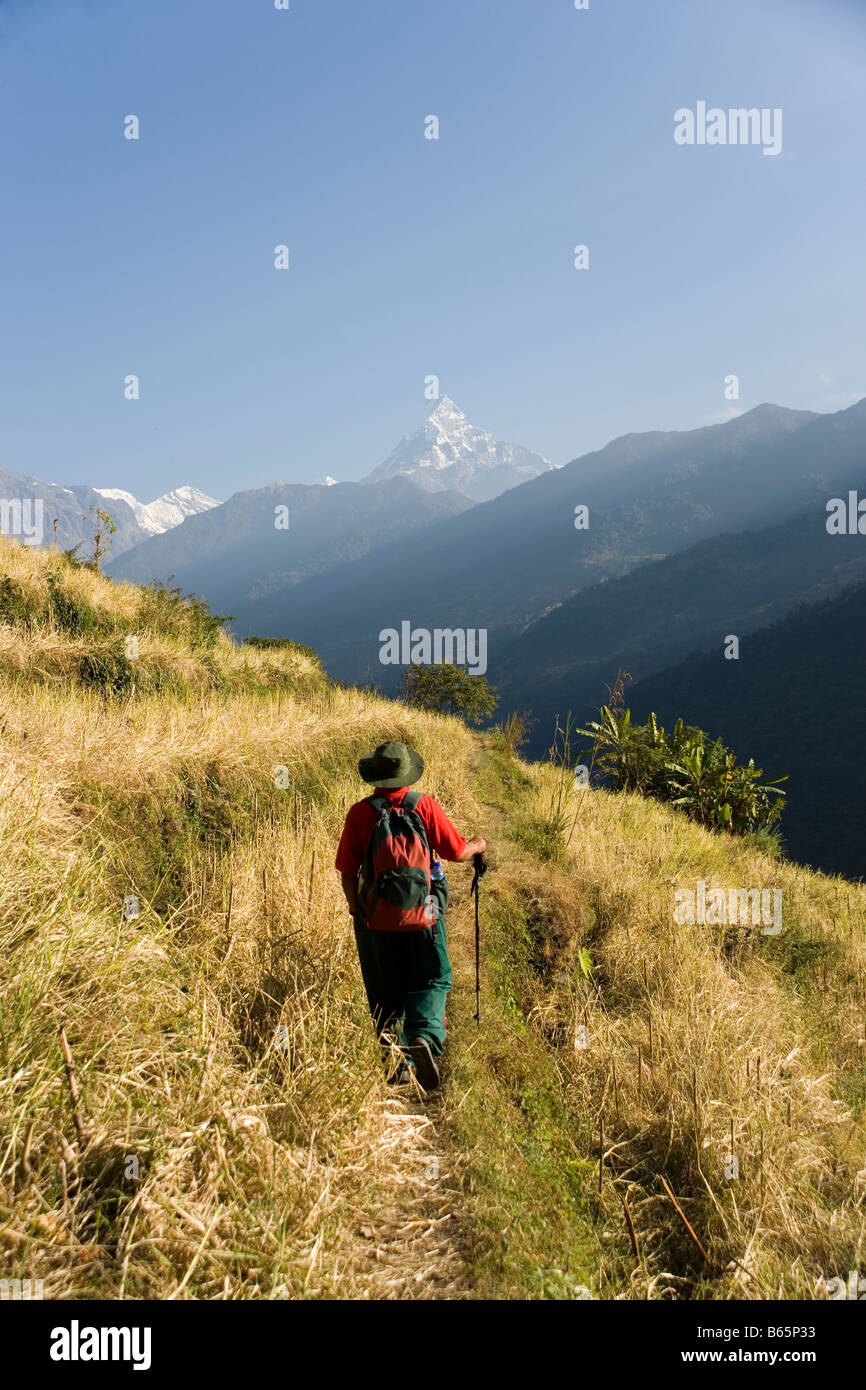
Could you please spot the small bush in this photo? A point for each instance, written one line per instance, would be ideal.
(15, 606)
(685, 768)
(106, 669)
(71, 614)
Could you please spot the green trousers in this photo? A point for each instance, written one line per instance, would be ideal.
(407, 976)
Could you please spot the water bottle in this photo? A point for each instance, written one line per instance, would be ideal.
(438, 894)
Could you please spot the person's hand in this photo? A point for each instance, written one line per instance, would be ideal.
(473, 847)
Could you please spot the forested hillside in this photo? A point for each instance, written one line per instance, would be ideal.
(795, 700)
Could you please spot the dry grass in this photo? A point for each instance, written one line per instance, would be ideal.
(700, 1032)
(233, 1136)
(260, 1154)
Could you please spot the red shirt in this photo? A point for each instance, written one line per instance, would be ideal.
(445, 842)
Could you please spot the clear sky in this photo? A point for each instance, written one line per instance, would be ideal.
(411, 256)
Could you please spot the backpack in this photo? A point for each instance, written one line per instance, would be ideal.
(395, 890)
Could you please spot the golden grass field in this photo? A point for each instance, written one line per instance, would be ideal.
(218, 1126)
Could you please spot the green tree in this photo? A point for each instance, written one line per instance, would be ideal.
(450, 690)
(103, 528)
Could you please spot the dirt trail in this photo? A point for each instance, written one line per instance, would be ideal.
(415, 1247)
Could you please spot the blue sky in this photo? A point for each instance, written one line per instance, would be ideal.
(413, 256)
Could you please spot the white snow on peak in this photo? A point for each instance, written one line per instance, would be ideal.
(448, 452)
(166, 511)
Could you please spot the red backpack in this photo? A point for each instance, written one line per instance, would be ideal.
(395, 890)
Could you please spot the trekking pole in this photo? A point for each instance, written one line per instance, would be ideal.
(479, 870)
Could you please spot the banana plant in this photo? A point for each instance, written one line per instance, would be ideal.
(699, 776)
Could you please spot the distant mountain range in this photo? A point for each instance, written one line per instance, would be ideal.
(238, 556)
(506, 564)
(448, 453)
(239, 559)
(167, 511)
(70, 507)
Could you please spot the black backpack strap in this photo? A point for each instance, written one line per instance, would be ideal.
(411, 799)
(380, 805)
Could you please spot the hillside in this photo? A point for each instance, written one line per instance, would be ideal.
(220, 1129)
(795, 700)
(665, 610)
(235, 553)
(507, 562)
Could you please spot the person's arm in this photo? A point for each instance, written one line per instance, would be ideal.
(350, 855)
(350, 892)
(446, 842)
(473, 847)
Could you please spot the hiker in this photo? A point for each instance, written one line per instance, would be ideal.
(387, 862)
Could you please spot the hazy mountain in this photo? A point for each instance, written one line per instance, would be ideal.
(447, 452)
(796, 702)
(238, 552)
(507, 562)
(166, 511)
(661, 611)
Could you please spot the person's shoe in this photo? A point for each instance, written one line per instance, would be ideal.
(400, 1077)
(426, 1069)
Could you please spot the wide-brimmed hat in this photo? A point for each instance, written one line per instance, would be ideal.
(392, 765)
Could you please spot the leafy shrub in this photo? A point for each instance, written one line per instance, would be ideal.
(685, 768)
(106, 669)
(71, 614)
(15, 606)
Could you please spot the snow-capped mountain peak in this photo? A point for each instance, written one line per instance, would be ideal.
(166, 511)
(445, 415)
(450, 453)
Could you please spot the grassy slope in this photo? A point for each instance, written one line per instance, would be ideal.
(234, 1138)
